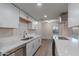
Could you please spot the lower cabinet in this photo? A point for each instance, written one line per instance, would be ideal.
(39, 41)
(32, 46)
(19, 51)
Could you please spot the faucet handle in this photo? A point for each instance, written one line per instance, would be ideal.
(24, 34)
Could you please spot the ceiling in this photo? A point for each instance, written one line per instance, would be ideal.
(52, 10)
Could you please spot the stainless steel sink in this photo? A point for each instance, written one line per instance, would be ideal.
(27, 38)
(63, 38)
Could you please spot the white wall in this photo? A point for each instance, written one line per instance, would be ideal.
(46, 30)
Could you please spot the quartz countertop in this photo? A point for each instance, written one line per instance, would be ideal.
(6, 44)
(67, 47)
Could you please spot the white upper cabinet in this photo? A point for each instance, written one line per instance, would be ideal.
(34, 25)
(9, 16)
(23, 15)
(73, 14)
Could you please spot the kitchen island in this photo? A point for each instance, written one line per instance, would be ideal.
(67, 47)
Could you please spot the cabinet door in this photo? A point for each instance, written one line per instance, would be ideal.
(29, 26)
(19, 52)
(23, 15)
(39, 42)
(35, 45)
(30, 48)
(73, 14)
(34, 25)
(9, 16)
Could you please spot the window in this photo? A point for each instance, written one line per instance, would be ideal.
(75, 33)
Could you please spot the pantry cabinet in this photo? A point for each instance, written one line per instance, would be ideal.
(30, 48)
(73, 14)
(9, 16)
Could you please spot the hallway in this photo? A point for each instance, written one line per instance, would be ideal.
(45, 49)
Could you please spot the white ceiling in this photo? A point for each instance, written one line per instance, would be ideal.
(52, 10)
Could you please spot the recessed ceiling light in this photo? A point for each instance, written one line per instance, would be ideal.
(39, 4)
(45, 16)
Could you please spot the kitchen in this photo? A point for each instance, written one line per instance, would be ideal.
(39, 29)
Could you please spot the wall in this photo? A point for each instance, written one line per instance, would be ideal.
(64, 30)
(46, 30)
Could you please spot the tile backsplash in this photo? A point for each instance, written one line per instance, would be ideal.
(6, 32)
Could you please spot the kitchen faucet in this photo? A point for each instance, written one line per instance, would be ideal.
(24, 33)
